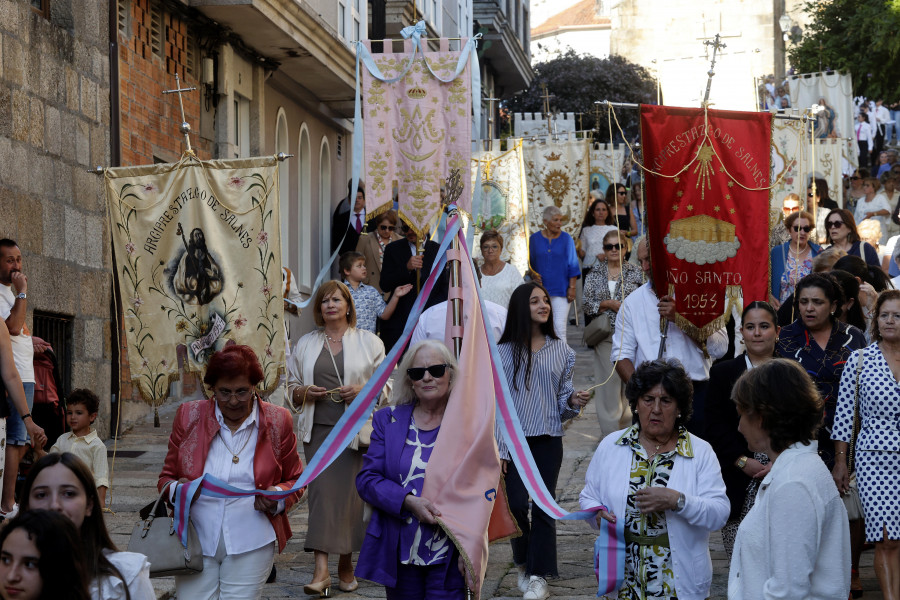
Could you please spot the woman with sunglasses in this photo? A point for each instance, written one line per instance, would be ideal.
(243, 441)
(538, 367)
(840, 229)
(327, 369)
(605, 288)
(372, 244)
(856, 190)
(617, 197)
(405, 549)
(792, 260)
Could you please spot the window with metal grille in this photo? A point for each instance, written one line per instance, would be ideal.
(156, 30)
(190, 54)
(123, 16)
(57, 330)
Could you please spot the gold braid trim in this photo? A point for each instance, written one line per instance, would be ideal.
(376, 212)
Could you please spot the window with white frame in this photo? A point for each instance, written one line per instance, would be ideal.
(352, 20)
(241, 136)
(304, 223)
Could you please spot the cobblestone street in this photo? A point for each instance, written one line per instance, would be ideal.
(135, 478)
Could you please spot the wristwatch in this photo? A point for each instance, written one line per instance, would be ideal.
(741, 462)
(679, 505)
(21, 295)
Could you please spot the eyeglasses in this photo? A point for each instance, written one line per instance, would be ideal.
(805, 228)
(834, 224)
(241, 395)
(436, 371)
(608, 247)
(855, 178)
(622, 193)
(386, 227)
(490, 247)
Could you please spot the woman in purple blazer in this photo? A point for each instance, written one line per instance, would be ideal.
(412, 557)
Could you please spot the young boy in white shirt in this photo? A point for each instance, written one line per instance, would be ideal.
(82, 407)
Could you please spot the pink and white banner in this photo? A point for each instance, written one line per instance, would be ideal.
(416, 130)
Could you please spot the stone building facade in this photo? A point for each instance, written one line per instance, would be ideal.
(54, 127)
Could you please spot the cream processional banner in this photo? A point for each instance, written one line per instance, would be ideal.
(831, 91)
(792, 162)
(198, 255)
(503, 200)
(558, 173)
(416, 130)
(606, 166)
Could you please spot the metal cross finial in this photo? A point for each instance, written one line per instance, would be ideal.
(546, 97)
(716, 44)
(185, 127)
(454, 187)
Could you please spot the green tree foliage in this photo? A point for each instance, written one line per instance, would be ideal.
(859, 36)
(577, 81)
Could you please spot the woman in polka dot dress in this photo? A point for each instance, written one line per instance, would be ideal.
(877, 448)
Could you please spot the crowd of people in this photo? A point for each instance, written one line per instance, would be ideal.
(780, 429)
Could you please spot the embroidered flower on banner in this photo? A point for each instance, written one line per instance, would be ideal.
(240, 321)
(266, 290)
(137, 301)
(150, 188)
(262, 238)
(236, 182)
(129, 248)
(181, 325)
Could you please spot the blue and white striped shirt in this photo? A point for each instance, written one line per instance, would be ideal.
(542, 404)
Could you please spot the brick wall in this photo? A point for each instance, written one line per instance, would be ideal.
(154, 46)
(54, 126)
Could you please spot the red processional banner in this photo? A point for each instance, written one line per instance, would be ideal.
(707, 210)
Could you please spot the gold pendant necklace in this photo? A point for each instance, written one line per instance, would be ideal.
(658, 446)
(234, 458)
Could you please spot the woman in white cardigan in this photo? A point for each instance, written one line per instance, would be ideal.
(795, 541)
(327, 370)
(666, 484)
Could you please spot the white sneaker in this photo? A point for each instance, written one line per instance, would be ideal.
(537, 589)
(523, 579)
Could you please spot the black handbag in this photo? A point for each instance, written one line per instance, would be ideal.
(154, 536)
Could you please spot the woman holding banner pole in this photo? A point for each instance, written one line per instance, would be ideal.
(405, 549)
(538, 367)
(328, 368)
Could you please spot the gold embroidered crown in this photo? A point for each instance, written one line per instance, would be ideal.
(416, 93)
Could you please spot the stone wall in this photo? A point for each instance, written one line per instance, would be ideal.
(54, 126)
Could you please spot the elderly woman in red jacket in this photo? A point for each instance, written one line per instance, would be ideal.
(248, 443)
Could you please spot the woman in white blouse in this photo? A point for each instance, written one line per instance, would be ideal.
(598, 221)
(498, 278)
(238, 438)
(795, 541)
(62, 482)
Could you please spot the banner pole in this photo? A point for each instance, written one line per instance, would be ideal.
(454, 191)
